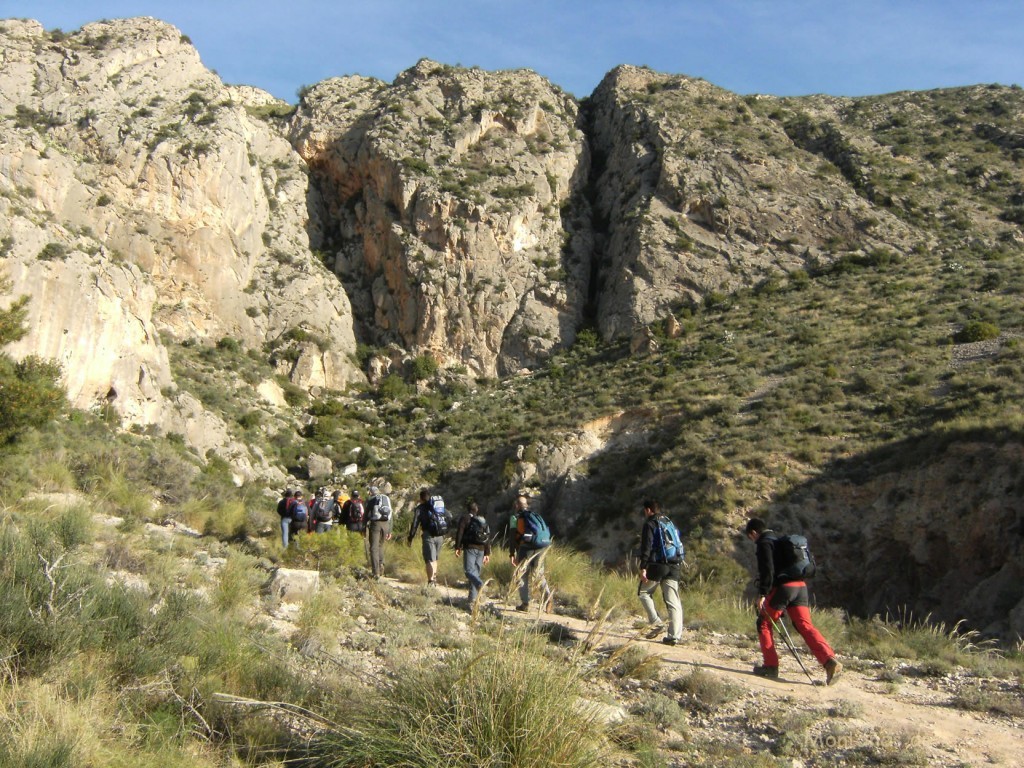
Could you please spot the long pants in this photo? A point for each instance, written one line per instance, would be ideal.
(535, 566)
(286, 529)
(376, 533)
(791, 598)
(473, 564)
(670, 592)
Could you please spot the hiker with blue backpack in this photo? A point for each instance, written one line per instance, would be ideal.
(298, 514)
(529, 540)
(784, 564)
(432, 517)
(661, 557)
(473, 542)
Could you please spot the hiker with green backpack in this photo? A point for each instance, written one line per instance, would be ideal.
(661, 557)
(529, 539)
(783, 565)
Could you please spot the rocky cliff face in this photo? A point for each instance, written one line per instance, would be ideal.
(481, 218)
(698, 191)
(443, 197)
(140, 197)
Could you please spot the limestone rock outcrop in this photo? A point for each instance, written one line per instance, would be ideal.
(445, 192)
(141, 198)
(700, 191)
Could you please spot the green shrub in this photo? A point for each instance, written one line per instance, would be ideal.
(976, 330)
(53, 252)
(392, 387)
(237, 584)
(663, 711)
(423, 367)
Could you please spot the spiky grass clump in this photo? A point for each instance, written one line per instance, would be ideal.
(505, 704)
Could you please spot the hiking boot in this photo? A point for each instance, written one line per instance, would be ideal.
(523, 607)
(653, 630)
(669, 640)
(833, 669)
(772, 673)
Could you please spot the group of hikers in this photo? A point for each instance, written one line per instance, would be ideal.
(784, 562)
(371, 518)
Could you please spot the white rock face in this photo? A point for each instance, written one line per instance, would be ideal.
(444, 191)
(139, 196)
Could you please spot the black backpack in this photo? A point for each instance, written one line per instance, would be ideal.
(355, 514)
(792, 557)
(476, 531)
(323, 511)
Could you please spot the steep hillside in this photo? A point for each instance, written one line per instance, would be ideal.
(806, 308)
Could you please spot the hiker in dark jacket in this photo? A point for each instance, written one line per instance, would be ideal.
(284, 507)
(654, 572)
(780, 593)
(475, 554)
(432, 542)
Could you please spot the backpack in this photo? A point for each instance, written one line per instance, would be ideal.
(437, 518)
(536, 535)
(383, 508)
(667, 544)
(792, 558)
(299, 511)
(355, 514)
(322, 512)
(477, 531)
(282, 507)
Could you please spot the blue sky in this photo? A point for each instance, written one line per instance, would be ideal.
(782, 47)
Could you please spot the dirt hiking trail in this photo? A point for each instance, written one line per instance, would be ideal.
(911, 721)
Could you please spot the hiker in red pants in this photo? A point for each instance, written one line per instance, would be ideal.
(781, 587)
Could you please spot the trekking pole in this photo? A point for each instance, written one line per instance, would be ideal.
(780, 627)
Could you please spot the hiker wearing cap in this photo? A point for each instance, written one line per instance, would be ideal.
(660, 563)
(378, 529)
(434, 524)
(777, 593)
